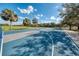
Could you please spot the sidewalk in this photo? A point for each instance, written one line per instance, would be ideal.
(10, 37)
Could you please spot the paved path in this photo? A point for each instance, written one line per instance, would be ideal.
(15, 36)
(19, 35)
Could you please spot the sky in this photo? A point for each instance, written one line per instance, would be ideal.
(44, 12)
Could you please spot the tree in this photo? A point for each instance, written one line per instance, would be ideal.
(35, 22)
(26, 22)
(70, 14)
(68, 20)
(9, 15)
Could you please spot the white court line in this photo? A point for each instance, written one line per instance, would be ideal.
(2, 43)
(68, 36)
(52, 50)
(52, 45)
(72, 39)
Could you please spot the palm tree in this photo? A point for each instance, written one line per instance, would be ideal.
(26, 22)
(9, 15)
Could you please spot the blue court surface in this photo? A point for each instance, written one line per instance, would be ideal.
(44, 43)
(0, 37)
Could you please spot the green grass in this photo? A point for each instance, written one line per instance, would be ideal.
(7, 28)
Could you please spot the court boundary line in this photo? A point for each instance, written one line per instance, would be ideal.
(2, 42)
(72, 40)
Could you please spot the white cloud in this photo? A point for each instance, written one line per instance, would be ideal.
(28, 10)
(45, 21)
(58, 20)
(37, 17)
(8, 22)
(56, 7)
(21, 17)
(47, 18)
(19, 22)
(64, 10)
(22, 10)
(52, 18)
(16, 23)
(40, 15)
(3, 21)
(35, 9)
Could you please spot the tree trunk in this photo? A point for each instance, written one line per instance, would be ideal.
(69, 27)
(78, 27)
(10, 24)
